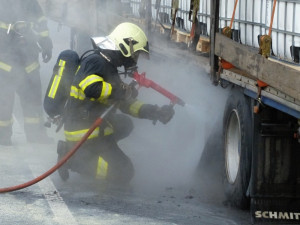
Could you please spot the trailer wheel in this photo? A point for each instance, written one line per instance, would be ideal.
(237, 145)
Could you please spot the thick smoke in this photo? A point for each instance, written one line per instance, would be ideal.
(163, 155)
(167, 155)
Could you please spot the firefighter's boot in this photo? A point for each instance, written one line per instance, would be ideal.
(62, 150)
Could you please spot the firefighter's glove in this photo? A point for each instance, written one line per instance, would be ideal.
(123, 91)
(152, 112)
(165, 113)
(46, 46)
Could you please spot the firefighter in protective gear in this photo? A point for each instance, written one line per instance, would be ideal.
(23, 35)
(96, 86)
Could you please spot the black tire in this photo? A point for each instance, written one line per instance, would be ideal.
(237, 148)
(208, 174)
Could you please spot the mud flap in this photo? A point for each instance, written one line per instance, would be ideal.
(275, 176)
(275, 211)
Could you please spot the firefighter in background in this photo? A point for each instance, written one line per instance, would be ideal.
(96, 86)
(23, 35)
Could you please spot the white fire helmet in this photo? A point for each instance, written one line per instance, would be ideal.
(127, 38)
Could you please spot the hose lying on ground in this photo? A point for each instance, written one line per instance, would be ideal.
(64, 159)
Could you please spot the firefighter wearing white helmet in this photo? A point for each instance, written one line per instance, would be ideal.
(96, 85)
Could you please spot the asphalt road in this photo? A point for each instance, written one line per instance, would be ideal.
(163, 190)
(84, 201)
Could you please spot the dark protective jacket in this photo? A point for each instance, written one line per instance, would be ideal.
(19, 64)
(92, 91)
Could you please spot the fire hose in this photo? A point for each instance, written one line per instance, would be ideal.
(64, 159)
(139, 79)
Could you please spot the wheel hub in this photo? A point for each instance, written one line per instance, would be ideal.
(232, 147)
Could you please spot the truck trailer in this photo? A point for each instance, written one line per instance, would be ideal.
(261, 119)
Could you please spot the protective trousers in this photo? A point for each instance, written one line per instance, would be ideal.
(19, 73)
(101, 157)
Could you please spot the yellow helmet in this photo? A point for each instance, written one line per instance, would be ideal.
(129, 39)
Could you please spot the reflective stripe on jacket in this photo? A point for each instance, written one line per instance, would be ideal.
(28, 69)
